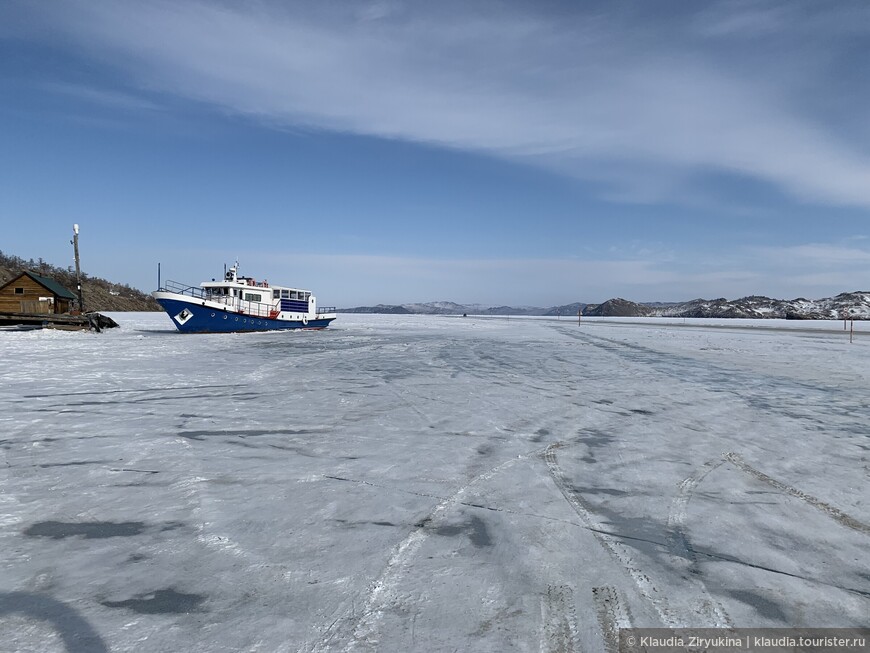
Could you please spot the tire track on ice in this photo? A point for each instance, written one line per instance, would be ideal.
(678, 514)
(642, 581)
(469, 504)
(834, 513)
(383, 591)
(703, 605)
(612, 614)
(681, 547)
(791, 394)
(559, 619)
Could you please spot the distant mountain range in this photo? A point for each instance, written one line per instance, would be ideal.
(854, 305)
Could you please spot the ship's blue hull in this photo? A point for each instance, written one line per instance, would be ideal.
(203, 319)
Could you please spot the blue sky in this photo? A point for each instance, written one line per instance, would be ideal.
(524, 153)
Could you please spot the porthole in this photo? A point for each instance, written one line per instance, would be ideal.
(212, 314)
(237, 319)
(225, 317)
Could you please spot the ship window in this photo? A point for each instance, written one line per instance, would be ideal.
(19, 291)
(292, 294)
(251, 297)
(276, 294)
(285, 293)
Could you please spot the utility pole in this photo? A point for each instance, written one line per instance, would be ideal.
(75, 242)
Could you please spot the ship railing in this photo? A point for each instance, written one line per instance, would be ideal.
(255, 309)
(235, 304)
(181, 289)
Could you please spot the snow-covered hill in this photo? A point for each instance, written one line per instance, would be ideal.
(853, 305)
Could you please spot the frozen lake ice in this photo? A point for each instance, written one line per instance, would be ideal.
(421, 483)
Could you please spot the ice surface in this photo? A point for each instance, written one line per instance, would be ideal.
(403, 483)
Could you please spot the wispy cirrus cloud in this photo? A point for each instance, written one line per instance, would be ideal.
(102, 97)
(817, 254)
(631, 103)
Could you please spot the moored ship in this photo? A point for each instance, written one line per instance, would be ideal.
(240, 304)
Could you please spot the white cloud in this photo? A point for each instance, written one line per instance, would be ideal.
(816, 254)
(744, 19)
(587, 96)
(103, 97)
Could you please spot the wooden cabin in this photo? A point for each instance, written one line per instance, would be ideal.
(33, 294)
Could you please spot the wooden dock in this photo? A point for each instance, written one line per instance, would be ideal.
(28, 321)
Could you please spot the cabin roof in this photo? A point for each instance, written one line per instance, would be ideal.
(49, 284)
